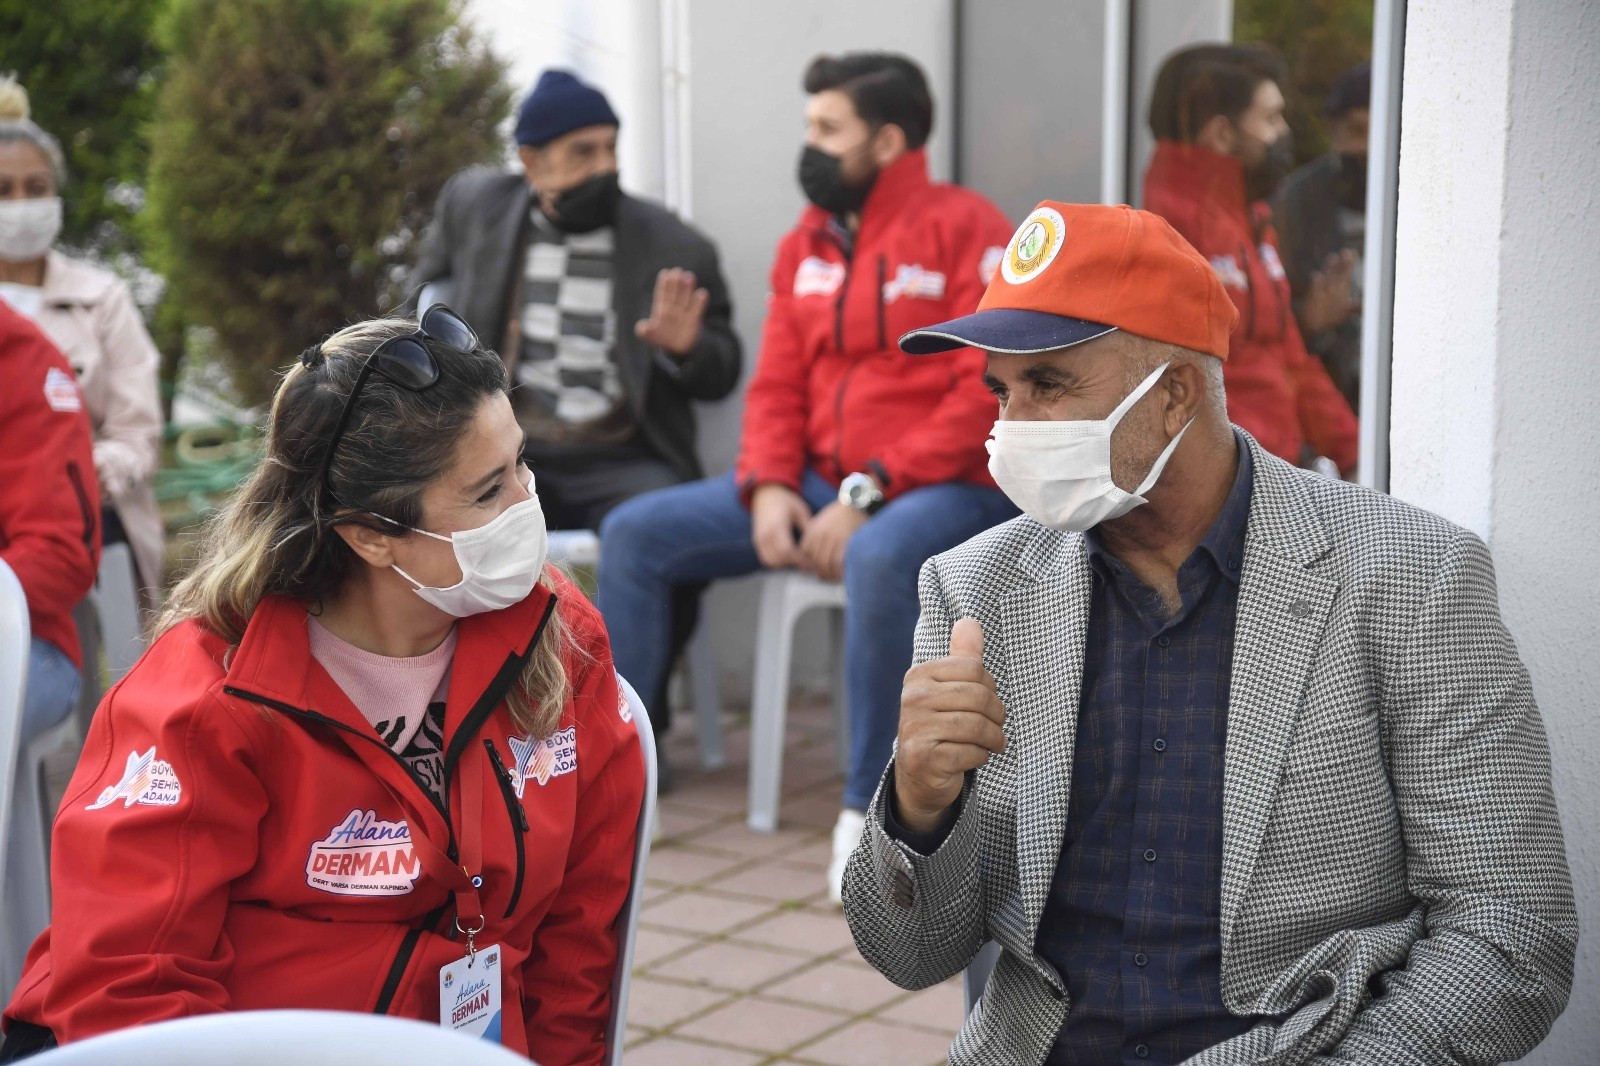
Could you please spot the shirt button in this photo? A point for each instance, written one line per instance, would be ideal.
(1140, 959)
(1149, 855)
(1142, 1051)
(1233, 564)
(1165, 642)
(1159, 745)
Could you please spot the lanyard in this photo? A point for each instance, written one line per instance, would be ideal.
(459, 876)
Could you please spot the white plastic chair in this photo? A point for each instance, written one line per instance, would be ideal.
(115, 597)
(581, 547)
(15, 639)
(976, 976)
(628, 918)
(274, 1037)
(785, 596)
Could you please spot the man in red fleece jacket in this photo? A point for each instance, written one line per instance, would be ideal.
(49, 509)
(1222, 145)
(858, 461)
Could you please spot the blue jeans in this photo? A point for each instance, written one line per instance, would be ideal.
(53, 684)
(701, 531)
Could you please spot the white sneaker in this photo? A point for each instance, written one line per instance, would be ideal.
(846, 835)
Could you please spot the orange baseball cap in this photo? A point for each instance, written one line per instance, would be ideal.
(1074, 272)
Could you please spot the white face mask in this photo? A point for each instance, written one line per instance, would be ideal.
(1059, 473)
(500, 561)
(28, 228)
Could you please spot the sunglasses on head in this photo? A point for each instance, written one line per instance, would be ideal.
(404, 360)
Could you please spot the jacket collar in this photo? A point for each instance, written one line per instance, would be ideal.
(1213, 180)
(1283, 520)
(274, 658)
(68, 281)
(898, 184)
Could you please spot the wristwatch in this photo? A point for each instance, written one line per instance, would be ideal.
(862, 493)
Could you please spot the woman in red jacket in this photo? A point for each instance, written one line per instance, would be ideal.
(376, 758)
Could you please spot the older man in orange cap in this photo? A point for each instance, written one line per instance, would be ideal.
(1233, 763)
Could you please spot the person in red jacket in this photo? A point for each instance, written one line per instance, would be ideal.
(49, 508)
(1222, 145)
(377, 756)
(858, 462)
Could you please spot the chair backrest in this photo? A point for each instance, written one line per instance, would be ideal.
(976, 975)
(628, 920)
(273, 1037)
(15, 639)
(116, 600)
(575, 547)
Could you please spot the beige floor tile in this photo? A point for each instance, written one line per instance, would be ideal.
(805, 931)
(739, 839)
(872, 1043)
(738, 967)
(675, 865)
(696, 912)
(656, 1004)
(838, 985)
(771, 882)
(762, 1025)
(668, 1051)
(814, 856)
(941, 1007)
(652, 945)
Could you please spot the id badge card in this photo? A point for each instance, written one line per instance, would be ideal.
(469, 994)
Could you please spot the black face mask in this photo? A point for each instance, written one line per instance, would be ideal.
(587, 205)
(1353, 182)
(822, 180)
(1262, 180)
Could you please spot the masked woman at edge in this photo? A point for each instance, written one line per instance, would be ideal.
(374, 722)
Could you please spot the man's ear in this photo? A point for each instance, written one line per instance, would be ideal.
(888, 144)
(532, 167)
(370, 546)
(1186, 390)
(1218, 135)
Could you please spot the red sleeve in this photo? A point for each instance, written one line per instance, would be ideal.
(947, 444)
(49, 500)
(141, 890)
(566, 981)
(1325, 416)
(772, 448)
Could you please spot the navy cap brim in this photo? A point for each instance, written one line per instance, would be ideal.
(1007, 330)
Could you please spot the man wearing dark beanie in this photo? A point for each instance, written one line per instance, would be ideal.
(611, 313)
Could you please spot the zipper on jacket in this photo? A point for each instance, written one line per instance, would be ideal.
(838, 422)
(498, 686)
(519, 820)
(848, 251)
(883, 332)
(402, 960)
(1249, 292)
(85, 508)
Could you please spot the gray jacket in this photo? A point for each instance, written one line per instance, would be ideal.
(1394, 882)
(476, 241)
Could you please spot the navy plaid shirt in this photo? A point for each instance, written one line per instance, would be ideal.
(1133, 922)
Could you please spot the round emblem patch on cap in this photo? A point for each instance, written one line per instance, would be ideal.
(1034, 245)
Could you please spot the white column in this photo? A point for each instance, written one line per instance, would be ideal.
(1496, 383)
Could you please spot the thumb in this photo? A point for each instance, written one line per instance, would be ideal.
(966, 640)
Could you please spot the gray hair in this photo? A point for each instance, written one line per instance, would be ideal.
(1149, 354)
(15, 125)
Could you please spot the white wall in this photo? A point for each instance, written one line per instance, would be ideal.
(745, 61)
(1496, 380)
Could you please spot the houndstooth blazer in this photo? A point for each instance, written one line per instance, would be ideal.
(1394, 883)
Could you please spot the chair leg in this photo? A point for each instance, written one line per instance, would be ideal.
(769, 704)
(27, 909)
(700, 664)
(841, 703)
